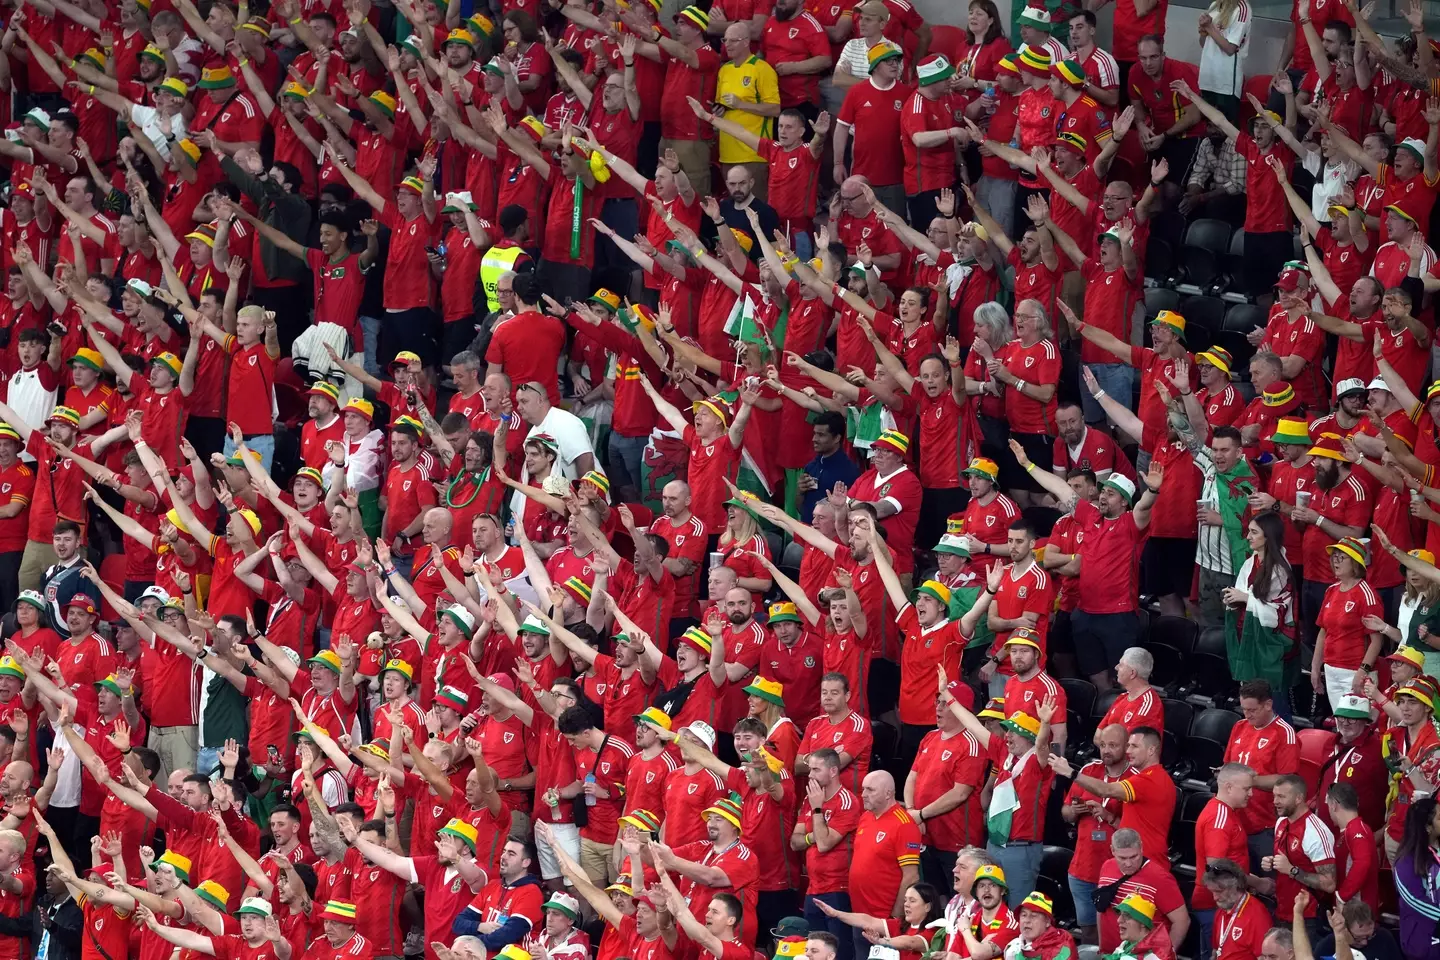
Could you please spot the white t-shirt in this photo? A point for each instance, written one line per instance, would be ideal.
(574, 442)
(1220, 72)
(148, 120)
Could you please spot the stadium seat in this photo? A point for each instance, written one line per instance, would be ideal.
(1160, 298)
(1168, 225)
(291, 404)
(1214, 724)
(1179, 715)
(1206, 241)
(1080, 696)
(1260, 87)
(1169, 664)
(1208, 681)
(1054, 882)
(1102, 704)
(285, 373)
(1210, 644)
(793, 553)
(1207, 312)
(1244, 317)
(949, 41)
(1315, 748)
(1177, 632)
(885, 745)
(1159, 261)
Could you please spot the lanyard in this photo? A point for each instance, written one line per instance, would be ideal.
(1235, 915)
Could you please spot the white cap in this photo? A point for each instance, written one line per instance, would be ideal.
(43, 119)
(1122, 484)
(1348, 385)
(141, 287)
(459, 198)
(1377, 384)
(703, 732)
(159, 593)
(256, 905)
(1412, 144)
(1036, 15)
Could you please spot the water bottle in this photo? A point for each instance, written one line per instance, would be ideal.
(1015, 145)
(552, 797)
(589, 797)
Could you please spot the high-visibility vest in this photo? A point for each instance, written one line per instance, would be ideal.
(496, 261)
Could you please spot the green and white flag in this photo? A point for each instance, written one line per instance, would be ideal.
(1004, 801)
(741, 324)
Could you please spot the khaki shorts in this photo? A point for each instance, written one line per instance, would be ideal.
(596, 862)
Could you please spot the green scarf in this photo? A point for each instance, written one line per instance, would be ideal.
(1233, 488)
(577, 218)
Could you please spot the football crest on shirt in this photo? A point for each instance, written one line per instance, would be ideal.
(810, 662)
(793, 162)
(794, 32)
(945, 755)
(509, 736)
(1349, 605)
(1045, 113)
(1261, 744)
(1029, 361)
(897, 104)
(744, 81)
(694, 787)
(600, 689)
(1023, 591)
(455, 887)
(879, 836)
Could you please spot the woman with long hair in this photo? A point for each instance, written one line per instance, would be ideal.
(534, 70)
(1224, 43)
(1260, 613)
(910, 934)
(1417, 880)
(738, 543)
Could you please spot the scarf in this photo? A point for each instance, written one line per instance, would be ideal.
(577, 218)
(1233, 489)
(1053, 944)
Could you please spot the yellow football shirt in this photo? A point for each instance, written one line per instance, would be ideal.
(753, 81)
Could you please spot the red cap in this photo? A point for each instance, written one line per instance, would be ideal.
(963, 693)
(1288, 281)
(503, 681)
(83, 601)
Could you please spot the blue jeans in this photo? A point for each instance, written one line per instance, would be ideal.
(1116, 379)
(1206, 921)
(370, 326)
(1083, 893)
(207, 760)
(803, 244)
(845, 949)
(262, 444)
(1021, 864)
(626, 454)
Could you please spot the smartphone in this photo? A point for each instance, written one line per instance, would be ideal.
(274, 752)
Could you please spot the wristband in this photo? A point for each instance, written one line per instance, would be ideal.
(293, 21)
(955, 364)
(244, 63)
(1098, 394)
(697, 253)
(809, 839)
(1029, 468)
(92, 89)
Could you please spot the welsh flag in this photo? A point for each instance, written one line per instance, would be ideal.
(1004, 801)
(746, 324)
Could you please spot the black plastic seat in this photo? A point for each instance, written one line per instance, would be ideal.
(1214, 724)
(1169, 664)
(1177, 632)
(1205, 245)
(1159, 260)
(1244, 317)
(1207, 312)
(1204, 755)
(1103, 702)
(1168, 225)
(1054, 882)
(1160, 298)
(1179, 715)
(1079, 695)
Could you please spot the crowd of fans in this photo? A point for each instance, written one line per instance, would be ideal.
(438, 518)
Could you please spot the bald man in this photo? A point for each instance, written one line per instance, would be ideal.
(435, 530)
(1095, 819)
(686, 534)
(885, 857)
